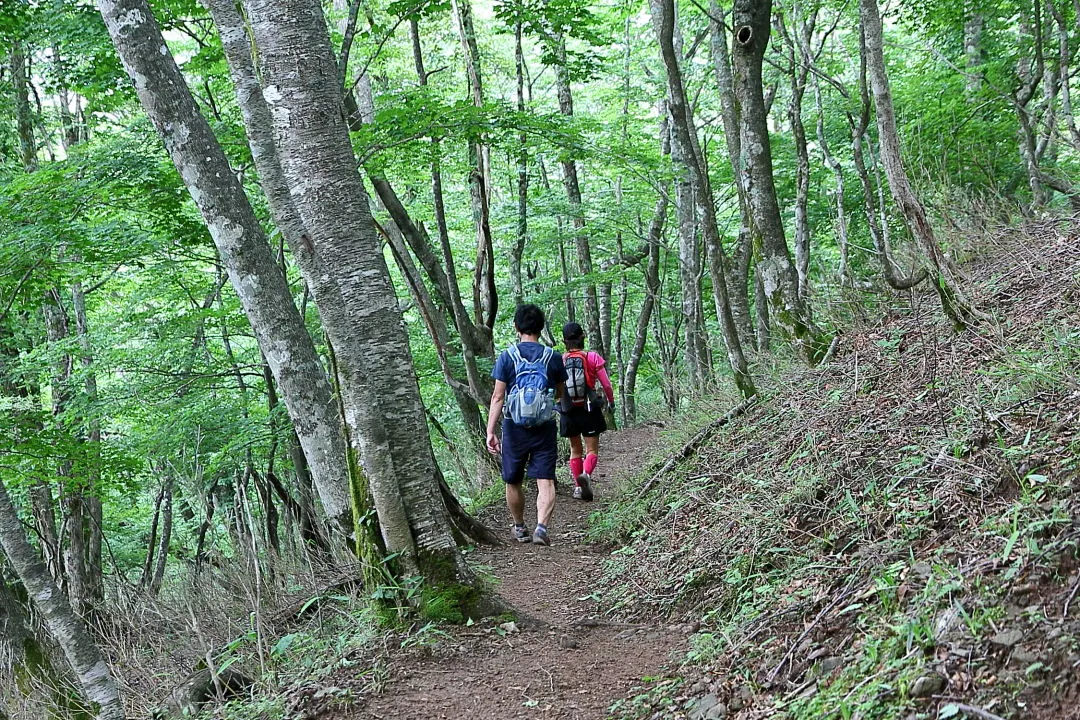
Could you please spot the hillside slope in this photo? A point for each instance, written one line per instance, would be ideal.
(891, 536)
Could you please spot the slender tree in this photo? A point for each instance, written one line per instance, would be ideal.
(379, 387)
(955, 305)
(64, 625)
(241, 243)
(750, 28)
(684, 133)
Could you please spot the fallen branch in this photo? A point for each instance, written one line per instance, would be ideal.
(696, 441)
(977, 712)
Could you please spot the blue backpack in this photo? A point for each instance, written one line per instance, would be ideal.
(529, 402)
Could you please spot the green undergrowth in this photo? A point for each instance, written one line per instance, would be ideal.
(891, 536)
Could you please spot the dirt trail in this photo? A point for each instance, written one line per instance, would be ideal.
(571, 664)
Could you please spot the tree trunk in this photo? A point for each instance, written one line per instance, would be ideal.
(697, 356)
(165, 538)
(24, 118)
(256, 278)
(954, 304)
(685, 135)
(485, 298)
(875, 220)
(1064, 57)
(750, 20)
(738, 277)
(652, 295)
(798, 40)
(573, 197)
(833, 164)
(518, 251)
(91, 446)
(378, 382)
(973, 51)
(72, 490)
(63, 624)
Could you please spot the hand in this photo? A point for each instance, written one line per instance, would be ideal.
(494, 445)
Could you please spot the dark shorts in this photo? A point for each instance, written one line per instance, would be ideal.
(579, 421)
(528, 451)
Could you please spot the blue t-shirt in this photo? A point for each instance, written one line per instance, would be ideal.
(504, 365)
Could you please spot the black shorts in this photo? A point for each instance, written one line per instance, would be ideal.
(531, 451)
(579, 421)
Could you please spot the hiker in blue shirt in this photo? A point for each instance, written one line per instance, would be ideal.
(529, 381)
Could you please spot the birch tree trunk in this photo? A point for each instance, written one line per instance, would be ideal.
(698, 364)
(64, 626)
(685, 135)
(797, 38)
(738, 275)
(875, 220)
(380, 393)
(954, 304)
(750, 20)
(485, 297)
(253, 273)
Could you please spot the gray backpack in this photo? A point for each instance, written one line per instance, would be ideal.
(530, 403)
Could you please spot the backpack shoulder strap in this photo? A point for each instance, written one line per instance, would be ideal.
(515, 355)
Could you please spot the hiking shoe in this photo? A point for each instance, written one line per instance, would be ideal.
(521, 534)
(585, 486)
(540, 536)
(577, 492)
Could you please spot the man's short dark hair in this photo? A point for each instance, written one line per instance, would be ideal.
(573, 335)
(529, 319)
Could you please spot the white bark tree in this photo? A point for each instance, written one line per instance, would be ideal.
(379, 388)
(241, 243)
(63, 624)
(750, 21)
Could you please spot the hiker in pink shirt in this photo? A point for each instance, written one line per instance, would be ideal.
(583, 408)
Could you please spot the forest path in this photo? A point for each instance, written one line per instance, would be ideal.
(566, 662)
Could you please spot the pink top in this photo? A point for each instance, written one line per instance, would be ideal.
(598, 364)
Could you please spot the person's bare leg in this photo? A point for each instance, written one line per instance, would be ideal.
(515, 501)
(575, 446)
(545, 501)
(592, 446)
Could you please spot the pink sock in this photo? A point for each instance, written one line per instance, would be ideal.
(590, 464)
(575, 468)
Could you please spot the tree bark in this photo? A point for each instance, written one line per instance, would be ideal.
(685, 135)
(485, 297)
(798, 41)
(573, 196)
(63, 624)
(522, 237)
(253, 273)
(166, 536)
(24, 118)
(652, 295)
(875, 220)
(954, 304)
(91, 444)
(738, 277)
(380, 393)
(697, 362)
(750, 20)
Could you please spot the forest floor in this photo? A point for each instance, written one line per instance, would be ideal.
(561, 658)
(892, 536)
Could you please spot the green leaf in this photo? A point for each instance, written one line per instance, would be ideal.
(282, 644)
